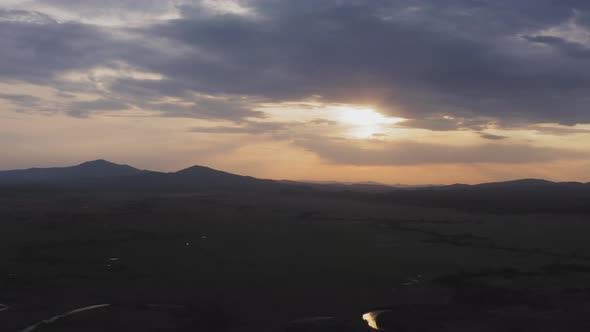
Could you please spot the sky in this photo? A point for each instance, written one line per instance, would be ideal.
(394, 91)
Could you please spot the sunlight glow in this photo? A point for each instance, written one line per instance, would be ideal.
(364, 122)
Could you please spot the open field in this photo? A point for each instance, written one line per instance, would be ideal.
(263, 262)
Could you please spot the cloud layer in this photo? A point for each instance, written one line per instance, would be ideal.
(459, 65)
(416, 153)
(497, 60)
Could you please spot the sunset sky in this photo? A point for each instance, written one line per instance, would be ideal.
(399, 91)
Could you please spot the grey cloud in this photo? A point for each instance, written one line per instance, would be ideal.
(438, 124)
(117, 10)
(341, 151)
(110, 5)
(21, 100)
(492, 137)
(208, 108)
(440, 60)
(37, 53)
(83, 109)
(24, 16)
(323, 122)
(249, 128)
(29, 104)
(258, 127)
(559, 131)
(99, 105)
(567, 47)
(416, 59)
(442, 123)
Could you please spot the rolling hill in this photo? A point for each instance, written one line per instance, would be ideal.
(105, 175)
(97, 169)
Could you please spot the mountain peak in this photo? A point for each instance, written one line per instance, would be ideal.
(101, 164)
(198, 169)
(195, 168)
(88, 170)
(97, 162)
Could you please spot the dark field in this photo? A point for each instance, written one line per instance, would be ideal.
(268, 262)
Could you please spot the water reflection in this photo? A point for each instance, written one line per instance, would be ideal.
(371, 318)
(54, 319)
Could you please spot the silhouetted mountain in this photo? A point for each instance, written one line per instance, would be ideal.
(518, 196)
(104, 175)
(517, 185)
(368, 187)
(196, 178)
(98, 169)
(206, 174)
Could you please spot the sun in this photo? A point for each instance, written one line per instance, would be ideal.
(363, 122)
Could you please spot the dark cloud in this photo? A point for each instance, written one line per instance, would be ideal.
(435, 124)
(40, 51)
(83, 109)
(258, 127)
(25, 16)
(249, 128)
(442, 123)
(492, 137)
(207, 108)
(21, 100)
(573, 49)
(470, 60)
(417, 59)
(110, 7)
(36, 52)
(341, 151)
(559, 131)
(28, 104)
(323, 122)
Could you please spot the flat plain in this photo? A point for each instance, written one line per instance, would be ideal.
(299, 261)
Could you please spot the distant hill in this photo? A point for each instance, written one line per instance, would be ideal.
(98, 169)
(519, 196)
(368, 187)
(375, 187)
(525, 194)
(520, 185)
(196, 178)
(105, 175)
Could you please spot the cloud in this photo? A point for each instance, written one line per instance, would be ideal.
(21, 100)
(82, 109)
(249, 128)
(445, 123)
(24, 16)
(492, 137)
(280, 130)
(107, 12)
(347, 152)
(432, 60)
(572, 49)
(323, 122)
(559, 131)
(199, 107)
(478, 61)
(37, 52)
(47, 52)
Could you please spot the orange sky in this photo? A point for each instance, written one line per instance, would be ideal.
(408, 92)
(167, 144)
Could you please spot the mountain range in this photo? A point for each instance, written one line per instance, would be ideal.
(104, 175)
